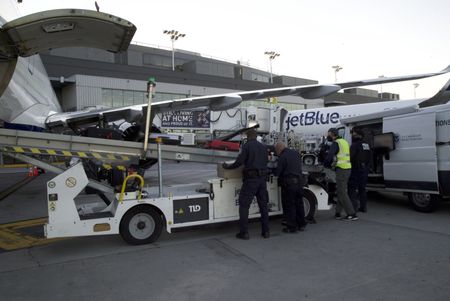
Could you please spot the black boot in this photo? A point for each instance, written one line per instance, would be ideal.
(266, 234)
(243, 235)
(289, 230)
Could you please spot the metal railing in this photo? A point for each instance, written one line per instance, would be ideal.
(235, 62)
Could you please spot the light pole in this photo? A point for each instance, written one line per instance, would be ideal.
(336, 68)
(174, 35)
(415, 87)
(272, 55)
(381, 86)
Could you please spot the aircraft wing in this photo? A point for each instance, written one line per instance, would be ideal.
(386, 80)
(218, 102)
(46, 30)
(442, 97)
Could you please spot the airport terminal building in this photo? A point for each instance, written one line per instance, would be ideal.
(85, 78)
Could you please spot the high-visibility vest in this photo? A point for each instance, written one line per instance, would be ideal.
(343, 156)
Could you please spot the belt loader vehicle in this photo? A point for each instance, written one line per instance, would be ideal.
(139, 215)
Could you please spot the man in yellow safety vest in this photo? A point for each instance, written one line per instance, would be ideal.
(340, 150)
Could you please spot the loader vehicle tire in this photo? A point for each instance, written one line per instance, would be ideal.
(309, 160)
(309, 203)
(141, 225)
(424, 202)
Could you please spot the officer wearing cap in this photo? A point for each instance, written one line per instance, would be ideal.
(341, 150)
(254, 157)
(289, 173)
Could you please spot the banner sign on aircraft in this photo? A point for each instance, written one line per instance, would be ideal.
(186, 119)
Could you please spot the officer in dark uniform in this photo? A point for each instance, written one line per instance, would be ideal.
(360, 157)
(254, 157)
(324, 148)
(289, 172)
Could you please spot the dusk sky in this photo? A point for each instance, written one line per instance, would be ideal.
(366, 38)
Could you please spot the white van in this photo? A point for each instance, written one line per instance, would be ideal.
(411, 152)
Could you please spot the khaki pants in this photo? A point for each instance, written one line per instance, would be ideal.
(343, 202)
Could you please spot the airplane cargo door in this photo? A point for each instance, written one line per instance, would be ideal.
(51, 29)
(412, 166)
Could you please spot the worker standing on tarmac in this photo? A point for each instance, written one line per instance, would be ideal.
(341, 150)
(289, 173)
(254, 157)
(360, 155)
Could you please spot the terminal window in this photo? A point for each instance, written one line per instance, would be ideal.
(160, 96)
(113, 98)
(260, 77)
(160, 60)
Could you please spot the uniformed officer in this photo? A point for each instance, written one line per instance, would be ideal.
(330, 175)
(254, 157)
(289, 173)
(360, 156)
(341, 150)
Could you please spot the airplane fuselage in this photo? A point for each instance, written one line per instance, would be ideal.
(317, 121)
(28, 98)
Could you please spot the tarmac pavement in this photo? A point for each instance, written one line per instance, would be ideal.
(391, 253)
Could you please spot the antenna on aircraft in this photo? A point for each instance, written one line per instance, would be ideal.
(97, 7)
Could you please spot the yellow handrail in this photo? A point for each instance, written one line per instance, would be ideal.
(125, 184)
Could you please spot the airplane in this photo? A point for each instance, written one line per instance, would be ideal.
(28, 102)
(316, 122)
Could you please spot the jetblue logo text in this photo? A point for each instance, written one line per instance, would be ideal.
(311, 118)
(194, 208)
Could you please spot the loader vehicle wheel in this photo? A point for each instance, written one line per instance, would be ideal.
(424, 202)
(141, 225)
(309, 160)
(309, 203)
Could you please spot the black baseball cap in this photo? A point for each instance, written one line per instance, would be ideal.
(334, 131)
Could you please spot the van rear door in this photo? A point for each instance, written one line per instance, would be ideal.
(412, 166)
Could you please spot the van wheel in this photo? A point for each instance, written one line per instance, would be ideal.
(141, 225)
(424, 202)
(309, 203)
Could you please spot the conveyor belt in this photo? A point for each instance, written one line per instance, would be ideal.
(105, 150)
(25, 146)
